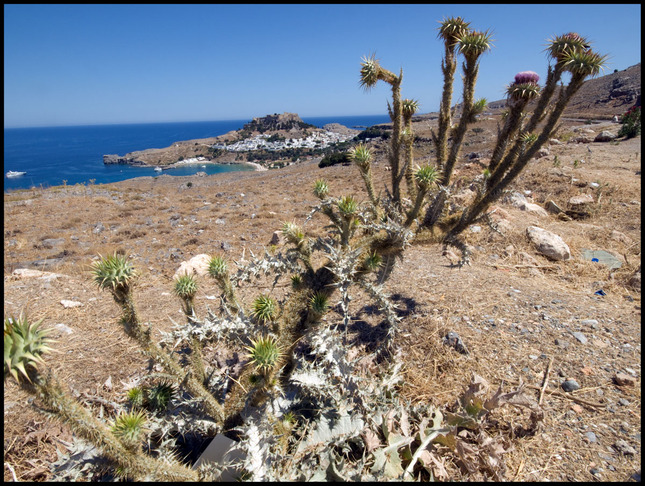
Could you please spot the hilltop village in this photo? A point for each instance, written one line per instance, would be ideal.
(273, 140)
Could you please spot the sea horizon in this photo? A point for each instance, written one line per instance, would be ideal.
(73, 154)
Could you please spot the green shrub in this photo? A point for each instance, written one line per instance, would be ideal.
(334, 159)
(631, 123)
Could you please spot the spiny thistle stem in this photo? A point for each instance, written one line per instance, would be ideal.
(470, 78)
(218, 269)
(409, 108)
(450, 31)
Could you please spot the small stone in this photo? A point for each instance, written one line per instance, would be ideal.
(580, 337)
(593, 323)
(580, 200)
(623, 402)
(577, 408)
(64, 329)
(68, 304)
(621, 379)
(552, 207)
(453, 339)
(570, 385)
(220, 221)
(591, 437)
(624, 448)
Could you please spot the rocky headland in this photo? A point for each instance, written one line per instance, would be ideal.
(264, 139)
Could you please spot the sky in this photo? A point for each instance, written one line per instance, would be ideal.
(120, 63)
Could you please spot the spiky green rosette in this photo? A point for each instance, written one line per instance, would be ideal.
(408, 108)
(25, 343)
(136, 397)
(584, 63)
(160, 395)
(185, 287)
(217, 267)
(129, 427)
(319, 303)
(296, 281)
(264, 308)
(293, 233)
(373, 261)
(474, 44)
(425, 177)
(348, 206)
(372, 72)
(361, 156)
(321, 189)
(452, 29)
(370, 68)
(264, 354)
(114, 273)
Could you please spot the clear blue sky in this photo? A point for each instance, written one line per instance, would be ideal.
(103, 64)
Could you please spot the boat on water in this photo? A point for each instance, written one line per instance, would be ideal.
(158, 169)
(15, 173)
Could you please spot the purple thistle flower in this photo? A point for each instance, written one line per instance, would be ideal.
(526, 77)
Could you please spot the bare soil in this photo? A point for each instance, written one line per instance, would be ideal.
(509, 311)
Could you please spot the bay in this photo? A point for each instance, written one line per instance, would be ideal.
(53, 156)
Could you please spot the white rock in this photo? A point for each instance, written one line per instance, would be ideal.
(548, 244)
(68, 304)
(533, 208)
(197, 265)
(64, 329)
(29, 273)
(581, 200)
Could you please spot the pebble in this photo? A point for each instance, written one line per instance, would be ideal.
(593, 323)
(622, 401)
(591, 437)
(580, 337)
(570, 385)
(64, 329)
(624, 448)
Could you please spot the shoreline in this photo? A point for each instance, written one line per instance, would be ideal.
(257, 166)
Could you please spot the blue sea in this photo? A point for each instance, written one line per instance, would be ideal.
(51, 155)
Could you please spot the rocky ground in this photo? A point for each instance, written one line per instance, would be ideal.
(515, 310)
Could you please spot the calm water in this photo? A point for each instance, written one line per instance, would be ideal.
(51, 155)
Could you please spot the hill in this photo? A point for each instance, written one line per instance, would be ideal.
(274, 137)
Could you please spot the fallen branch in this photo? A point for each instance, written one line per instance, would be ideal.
(545, 381)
